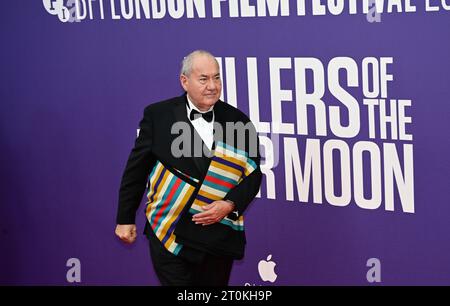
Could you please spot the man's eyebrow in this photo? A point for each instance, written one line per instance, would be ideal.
(205, 76)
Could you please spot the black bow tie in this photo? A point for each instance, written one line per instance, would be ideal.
(208, 116)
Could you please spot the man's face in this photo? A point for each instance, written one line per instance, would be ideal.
(203, 85)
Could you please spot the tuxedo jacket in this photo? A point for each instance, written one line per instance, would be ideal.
(171, 164)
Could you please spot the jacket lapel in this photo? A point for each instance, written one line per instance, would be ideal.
(219, 119)
(180, 113)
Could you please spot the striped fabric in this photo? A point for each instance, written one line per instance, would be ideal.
(229, 166)
(188, 176)
(167, 196)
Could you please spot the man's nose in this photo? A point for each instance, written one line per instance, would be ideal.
(211, 84)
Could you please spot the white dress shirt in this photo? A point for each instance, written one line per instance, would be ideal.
(204, 128)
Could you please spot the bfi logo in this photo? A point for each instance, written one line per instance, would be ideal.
(57, 7)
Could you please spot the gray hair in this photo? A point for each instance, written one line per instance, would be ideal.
(186, 64)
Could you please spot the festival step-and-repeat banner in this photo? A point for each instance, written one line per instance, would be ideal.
(350, 99)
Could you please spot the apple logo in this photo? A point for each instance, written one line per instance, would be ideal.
(266, 269)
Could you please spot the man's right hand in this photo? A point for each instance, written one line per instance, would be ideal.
(126, 232)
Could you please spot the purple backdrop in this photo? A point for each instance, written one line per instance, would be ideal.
(72, 95)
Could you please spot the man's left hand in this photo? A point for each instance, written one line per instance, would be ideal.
(213, 212)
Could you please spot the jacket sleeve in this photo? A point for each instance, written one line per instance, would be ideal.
(243, 193)
(134, 178)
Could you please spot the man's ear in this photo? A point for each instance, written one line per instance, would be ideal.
(183, 81)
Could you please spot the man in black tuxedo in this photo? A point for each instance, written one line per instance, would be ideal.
(195, 206)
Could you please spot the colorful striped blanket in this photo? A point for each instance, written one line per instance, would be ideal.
(171, 192)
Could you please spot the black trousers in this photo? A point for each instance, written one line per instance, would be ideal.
(174, 270)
